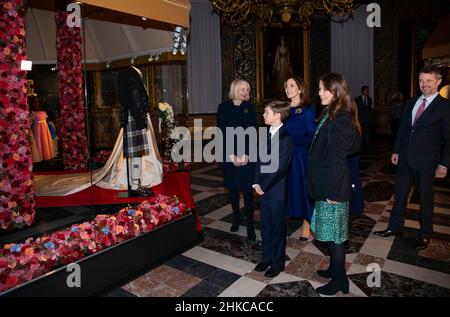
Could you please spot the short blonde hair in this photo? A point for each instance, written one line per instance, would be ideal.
(235, 86)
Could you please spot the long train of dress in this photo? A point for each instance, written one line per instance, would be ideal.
(112, 176)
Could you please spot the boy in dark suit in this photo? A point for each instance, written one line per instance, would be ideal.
(271, 185)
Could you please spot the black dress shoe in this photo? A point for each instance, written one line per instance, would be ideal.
(388, 233)
(140, 192)
(421, 244)
(234, 227)
(261, 267)
(136, 193)
(272, 272)
(145, 191)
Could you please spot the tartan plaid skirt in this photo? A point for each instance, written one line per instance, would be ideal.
(135, 142)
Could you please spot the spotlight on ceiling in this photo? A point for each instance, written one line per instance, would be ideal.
(179, 38)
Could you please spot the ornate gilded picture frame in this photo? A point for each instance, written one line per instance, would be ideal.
(281, 53)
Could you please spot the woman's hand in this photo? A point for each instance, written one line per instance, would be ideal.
(331, 202)
(244, 160)
(258, 190)
(235, 160)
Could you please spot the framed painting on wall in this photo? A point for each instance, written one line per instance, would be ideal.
(280, 56)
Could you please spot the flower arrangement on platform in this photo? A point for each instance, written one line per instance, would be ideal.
(102, 156)
(70, 93)
(16, 188)
(167, 125)
(23, 262)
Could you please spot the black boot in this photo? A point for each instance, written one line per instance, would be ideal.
(334, 286)
(339, 280)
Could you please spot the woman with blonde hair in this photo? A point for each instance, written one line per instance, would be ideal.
(238, 172)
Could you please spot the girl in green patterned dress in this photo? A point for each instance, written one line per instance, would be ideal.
(337, 136)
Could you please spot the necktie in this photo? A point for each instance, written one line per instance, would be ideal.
(365, 100)
(419, 111)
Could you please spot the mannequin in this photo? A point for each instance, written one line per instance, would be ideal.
(134, 104)
(144, 168)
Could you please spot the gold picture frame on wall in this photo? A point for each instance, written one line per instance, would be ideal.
(281, 53)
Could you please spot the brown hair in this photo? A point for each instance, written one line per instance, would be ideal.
(341, 101)
(304, 90)
(431, 69)
(281, 107)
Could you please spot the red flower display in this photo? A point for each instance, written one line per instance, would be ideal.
(172, 167)
(102, 156)
(70, 92)
(17, 202)
(21, 262)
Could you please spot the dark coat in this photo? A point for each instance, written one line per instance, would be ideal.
(133, 96)
(420, 146)
(329, 175)
(244, 116)
(274, 185)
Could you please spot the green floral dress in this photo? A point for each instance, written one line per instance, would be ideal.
(329, 222)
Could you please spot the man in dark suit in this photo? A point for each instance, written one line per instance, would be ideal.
(424, 128)
(364, 103)
(271, 185)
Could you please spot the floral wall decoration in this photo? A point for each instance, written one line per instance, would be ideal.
(17, 202)
(70, 92)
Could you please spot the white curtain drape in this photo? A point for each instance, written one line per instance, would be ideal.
(352, 51)
(204, 72)
(172, 86)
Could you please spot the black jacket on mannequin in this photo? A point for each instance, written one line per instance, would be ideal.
(133, 96)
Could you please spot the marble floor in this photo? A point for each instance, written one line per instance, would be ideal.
(223, 263)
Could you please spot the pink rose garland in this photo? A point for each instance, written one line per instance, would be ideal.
(21, 262)
(17, 204)
(70, 92)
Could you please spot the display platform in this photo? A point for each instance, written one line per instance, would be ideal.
(178, 183)
(115, 265)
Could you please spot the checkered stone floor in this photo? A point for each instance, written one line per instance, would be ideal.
(223, 264)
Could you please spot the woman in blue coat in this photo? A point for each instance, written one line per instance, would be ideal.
(238, 172)
(300, 126)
